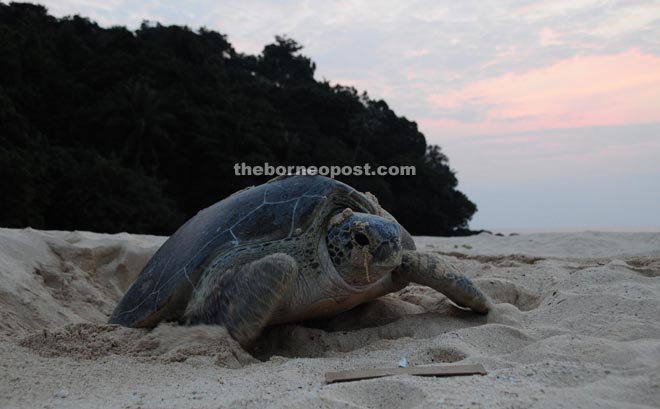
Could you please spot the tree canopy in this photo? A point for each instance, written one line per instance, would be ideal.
(112, 130)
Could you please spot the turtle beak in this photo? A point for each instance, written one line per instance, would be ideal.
(387, 254)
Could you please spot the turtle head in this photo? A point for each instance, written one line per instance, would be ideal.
(363, 247)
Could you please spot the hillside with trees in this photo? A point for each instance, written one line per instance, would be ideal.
(109, 130)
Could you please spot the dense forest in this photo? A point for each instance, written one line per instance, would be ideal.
(110, 130)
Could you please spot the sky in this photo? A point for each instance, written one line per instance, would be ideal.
(549, 111)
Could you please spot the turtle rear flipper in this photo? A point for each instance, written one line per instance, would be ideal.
(432, 271)
(242, 299)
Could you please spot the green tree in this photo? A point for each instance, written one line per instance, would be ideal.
(138, 118)
(110, 129)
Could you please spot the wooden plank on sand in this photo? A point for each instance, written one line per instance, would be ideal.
(438, 370)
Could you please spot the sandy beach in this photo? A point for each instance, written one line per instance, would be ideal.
(576, 324)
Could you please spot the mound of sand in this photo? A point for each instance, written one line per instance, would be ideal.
(576, 325)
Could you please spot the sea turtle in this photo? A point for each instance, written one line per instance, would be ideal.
(292, 249)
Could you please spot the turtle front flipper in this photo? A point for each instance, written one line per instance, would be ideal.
(431, 270)
(242, 299)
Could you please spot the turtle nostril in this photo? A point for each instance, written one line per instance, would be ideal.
(361, 239)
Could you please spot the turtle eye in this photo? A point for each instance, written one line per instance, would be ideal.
(361, 239)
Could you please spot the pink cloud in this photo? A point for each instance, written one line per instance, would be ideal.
(581, 91)
(549, 37)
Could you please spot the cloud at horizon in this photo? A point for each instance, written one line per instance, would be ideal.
(528, 98)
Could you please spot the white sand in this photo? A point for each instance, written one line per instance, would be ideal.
(577, 325)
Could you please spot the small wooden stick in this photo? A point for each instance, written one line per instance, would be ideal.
(443, 370)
